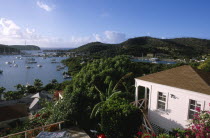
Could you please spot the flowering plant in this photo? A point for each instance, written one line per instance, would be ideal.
(198, 127)
(101, 136)
(200, 124)
(147, 135)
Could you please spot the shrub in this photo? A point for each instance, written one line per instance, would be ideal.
(119, 118)
(199, 126)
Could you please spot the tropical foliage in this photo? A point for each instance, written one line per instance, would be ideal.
(119, 118)
(205, 65)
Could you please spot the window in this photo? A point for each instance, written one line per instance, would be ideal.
(161, 101)
(194, 105)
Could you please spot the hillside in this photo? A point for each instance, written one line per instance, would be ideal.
(15, 49)
(175, 48)
(4, 49)
(93, 47)
(25, 47)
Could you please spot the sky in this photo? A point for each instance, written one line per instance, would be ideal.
(72, 23)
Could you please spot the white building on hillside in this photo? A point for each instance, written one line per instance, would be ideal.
(170, 97)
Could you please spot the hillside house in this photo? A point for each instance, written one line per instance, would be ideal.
(13, 112)
(169, 98)
(37, 98)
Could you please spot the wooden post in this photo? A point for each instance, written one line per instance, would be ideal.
(59, 125)
(25, 134)
(136, 96)
(145, 98)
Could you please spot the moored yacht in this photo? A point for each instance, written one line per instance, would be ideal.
(39, 65)
(28, 67)
(154, 59)
(66, 76)
(8, 62)
(15, 65)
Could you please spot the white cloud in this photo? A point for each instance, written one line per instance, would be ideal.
(30, 31)
(9, 28)
(114, 37)
(44, 6)
(97, 37)
(11, 33)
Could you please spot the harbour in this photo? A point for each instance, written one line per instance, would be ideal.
(17, 69)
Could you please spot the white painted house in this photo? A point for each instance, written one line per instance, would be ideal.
(171, 96)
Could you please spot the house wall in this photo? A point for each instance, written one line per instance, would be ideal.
(176, 114)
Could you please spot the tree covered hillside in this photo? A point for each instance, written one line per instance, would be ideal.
(25, 47)
(174, 48)
(7, 49)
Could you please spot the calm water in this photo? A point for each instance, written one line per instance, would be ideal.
(12, 76)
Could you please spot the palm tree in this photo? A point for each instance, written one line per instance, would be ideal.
(54, 81)
(110, 92)
(38, 84)
(21, 88)
(2, 89)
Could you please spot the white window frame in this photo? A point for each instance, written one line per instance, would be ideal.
(197, 104)
(162, 101)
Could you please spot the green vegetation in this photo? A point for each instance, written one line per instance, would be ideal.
(93, 84)
(205, 65)
(15, 49)
(13, 95)
(2, 89)
(92, 91)
(25, 47)
(119, 118)
(6, 49)
(23, 90)
(173, 48)
(38, 84)
(105, 96)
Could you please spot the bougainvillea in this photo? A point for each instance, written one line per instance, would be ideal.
(198, 127)
(200, 124)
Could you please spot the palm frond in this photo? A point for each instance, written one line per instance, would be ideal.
(96, 109)
(110, 90)
(115, 93)
(126, 88)
(102, 96)
(120, 81)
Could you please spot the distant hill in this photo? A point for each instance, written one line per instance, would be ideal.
(25, 47)
(4, 49)
(176, 48)
(15, 49)
(93, 47)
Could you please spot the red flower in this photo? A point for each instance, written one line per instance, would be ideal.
(153, 135)
(198, 109)
(37, 115)
(101, 136)
(139, 133)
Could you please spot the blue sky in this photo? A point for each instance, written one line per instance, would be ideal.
(71, 23)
